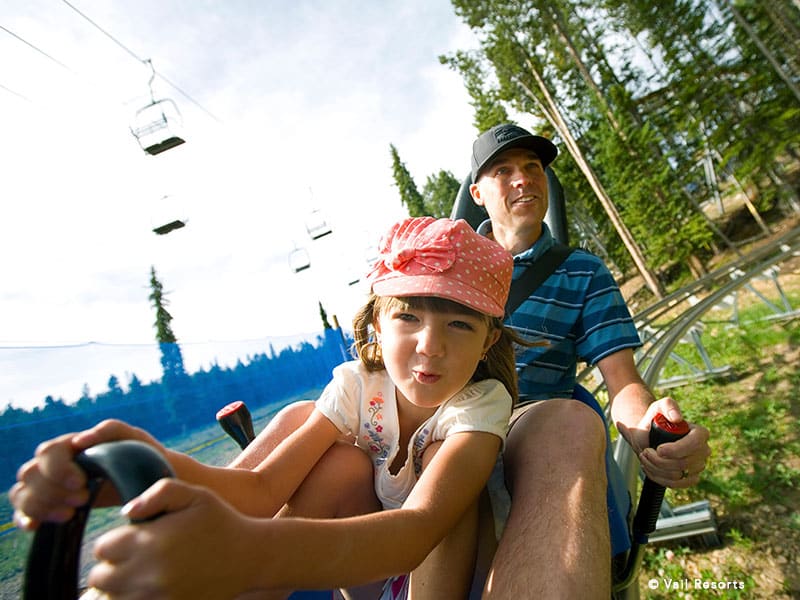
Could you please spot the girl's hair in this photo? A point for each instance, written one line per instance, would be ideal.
(499, 363)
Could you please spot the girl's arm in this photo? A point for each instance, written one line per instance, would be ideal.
(309, 553)
(51, 486)
(261, 492)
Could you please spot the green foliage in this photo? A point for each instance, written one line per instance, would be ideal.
(438, 194)
(164, 334)
(647, 89)
(409, 194)
(324, 316)
(171, 355)
(755, 439)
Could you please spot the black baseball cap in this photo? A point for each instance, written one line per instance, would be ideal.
(502, 137)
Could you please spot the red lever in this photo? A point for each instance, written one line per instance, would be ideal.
(662, 431)
(680, 428)
(237, 422)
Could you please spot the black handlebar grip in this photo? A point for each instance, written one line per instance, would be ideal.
(52, 569)
(235, 419)
(644, 523)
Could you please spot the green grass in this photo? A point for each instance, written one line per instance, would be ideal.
(753, 476)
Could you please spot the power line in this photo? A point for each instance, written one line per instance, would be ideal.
(141, 60)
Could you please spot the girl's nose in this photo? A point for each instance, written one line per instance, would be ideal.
(430, 342)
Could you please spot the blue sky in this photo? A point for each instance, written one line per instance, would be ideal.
(286, 106)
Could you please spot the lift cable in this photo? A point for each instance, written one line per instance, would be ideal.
(141, 60)
(104, 32)
(17, 94)
(39, 50)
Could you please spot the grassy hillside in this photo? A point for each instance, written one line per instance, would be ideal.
(753, 476)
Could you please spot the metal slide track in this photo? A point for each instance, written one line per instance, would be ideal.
(696, 518)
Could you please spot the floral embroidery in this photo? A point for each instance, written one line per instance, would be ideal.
(374, 428)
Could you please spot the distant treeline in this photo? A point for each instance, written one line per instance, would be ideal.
(176, 404)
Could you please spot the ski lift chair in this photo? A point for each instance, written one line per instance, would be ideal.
(316, 225)
(167, 227)
(167, 215)
(623, 477)
(299, 259)
(156, 126)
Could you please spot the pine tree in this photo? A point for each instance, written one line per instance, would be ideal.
(324, 316)
(171, 356)
(716, 110)
(439, 194)
(409, 194)
(518, 49)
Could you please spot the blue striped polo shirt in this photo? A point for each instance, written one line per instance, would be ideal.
(579, 310)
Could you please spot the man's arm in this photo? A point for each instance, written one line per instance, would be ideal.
(633, 407)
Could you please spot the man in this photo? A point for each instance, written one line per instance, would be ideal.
(556, 539)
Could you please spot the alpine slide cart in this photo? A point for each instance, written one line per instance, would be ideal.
(53, 562)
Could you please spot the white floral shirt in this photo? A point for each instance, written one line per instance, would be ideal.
(364, 405)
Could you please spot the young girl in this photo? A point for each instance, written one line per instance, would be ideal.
(421, 416)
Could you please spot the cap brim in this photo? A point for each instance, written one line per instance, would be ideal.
(435, 285)
(544, 149)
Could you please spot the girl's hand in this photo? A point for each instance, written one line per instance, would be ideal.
(51, 486)
(111, 430)
(673, 464)
(190, 552)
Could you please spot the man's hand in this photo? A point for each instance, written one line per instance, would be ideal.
(673, 464)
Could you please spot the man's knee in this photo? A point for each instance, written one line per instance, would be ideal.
(556, 432)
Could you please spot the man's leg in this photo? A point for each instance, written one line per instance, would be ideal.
(556, 540)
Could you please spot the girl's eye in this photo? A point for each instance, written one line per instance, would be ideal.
(405, 317)
(462, 325)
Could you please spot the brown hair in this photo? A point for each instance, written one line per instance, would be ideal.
(499, 363)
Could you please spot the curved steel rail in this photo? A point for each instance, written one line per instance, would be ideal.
(668, 336)
(765, 256)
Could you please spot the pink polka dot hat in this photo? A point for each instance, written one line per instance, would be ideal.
(423, 256)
